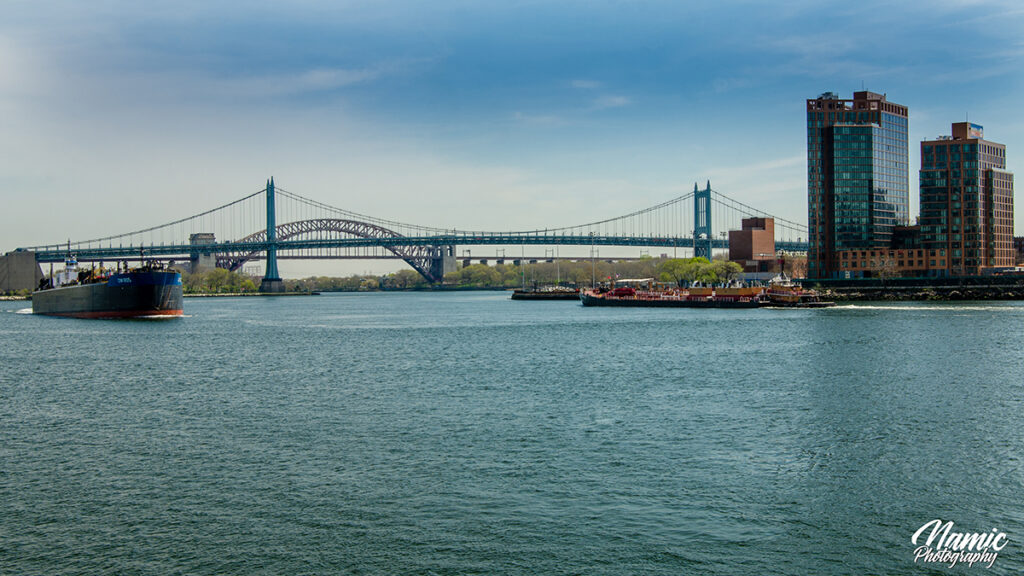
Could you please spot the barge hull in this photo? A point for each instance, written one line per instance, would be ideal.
(132, 295)
(588, 300)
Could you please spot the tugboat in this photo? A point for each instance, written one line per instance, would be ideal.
(148, 291)
(784, 293)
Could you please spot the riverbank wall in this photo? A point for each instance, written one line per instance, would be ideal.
(920, 289)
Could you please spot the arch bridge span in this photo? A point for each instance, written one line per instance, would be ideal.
(421, 257)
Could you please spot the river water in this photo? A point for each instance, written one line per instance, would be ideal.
(464, 433)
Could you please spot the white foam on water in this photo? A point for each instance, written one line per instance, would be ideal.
(949, 308)
(24, 311)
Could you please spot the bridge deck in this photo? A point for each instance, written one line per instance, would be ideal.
(57, 254)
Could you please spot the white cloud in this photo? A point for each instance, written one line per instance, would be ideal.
(610, 101)
(21, 73)
(540, 119)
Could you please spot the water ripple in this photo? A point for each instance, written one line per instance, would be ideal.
(465, 433)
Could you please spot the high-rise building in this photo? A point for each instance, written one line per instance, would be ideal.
(967, 200)
(858, 185)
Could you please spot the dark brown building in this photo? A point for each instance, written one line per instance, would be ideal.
(754, 245)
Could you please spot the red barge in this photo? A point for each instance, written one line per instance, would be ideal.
(781, 293)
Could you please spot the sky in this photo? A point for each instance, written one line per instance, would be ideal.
(119, 115)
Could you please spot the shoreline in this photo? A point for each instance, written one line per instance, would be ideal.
(950, 289)
(246, 294)
(918, 294)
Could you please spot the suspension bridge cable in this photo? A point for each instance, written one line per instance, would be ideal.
(154, 228)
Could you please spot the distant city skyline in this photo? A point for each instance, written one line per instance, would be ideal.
(464, 115)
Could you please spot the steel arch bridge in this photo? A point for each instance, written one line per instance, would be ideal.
(420, 256)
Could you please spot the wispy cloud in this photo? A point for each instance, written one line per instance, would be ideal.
(610, 101)
(572, 113)
(331, 78)
(20, 72)
(724, 85)
(540, 119)
(301, 82)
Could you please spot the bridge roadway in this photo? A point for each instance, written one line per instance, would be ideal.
(88, 253)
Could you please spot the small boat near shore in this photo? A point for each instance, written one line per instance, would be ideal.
(546, 293)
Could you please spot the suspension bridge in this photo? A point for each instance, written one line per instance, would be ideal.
(247, 229)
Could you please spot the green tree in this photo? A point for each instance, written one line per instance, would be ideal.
(403, 280)
(453, 278)
(481, 275)
(684, 271)
(216, 280)
(510, 275)
(723, 271)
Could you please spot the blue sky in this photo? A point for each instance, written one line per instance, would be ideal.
(508, 115)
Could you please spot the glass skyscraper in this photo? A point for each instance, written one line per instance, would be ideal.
(858, 184)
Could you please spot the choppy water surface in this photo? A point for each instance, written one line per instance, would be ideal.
(468, 434)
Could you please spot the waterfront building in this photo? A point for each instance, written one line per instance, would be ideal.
(858, 187)
(890, 263)
(967, 201)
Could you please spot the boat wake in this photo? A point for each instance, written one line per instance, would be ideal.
(23, 311)
(948, 308)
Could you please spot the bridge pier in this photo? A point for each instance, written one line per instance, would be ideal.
(442, 263)
(201, 261)
(19, 271)
(271, 278)
(702, 234)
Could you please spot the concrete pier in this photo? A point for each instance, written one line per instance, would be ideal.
(19, 271)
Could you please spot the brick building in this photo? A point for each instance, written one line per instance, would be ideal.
(753, 246)
(967, 201)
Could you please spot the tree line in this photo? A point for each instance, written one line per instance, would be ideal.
(581, 273)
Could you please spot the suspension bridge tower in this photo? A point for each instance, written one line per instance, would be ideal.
(271, 279)
(702, 234)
